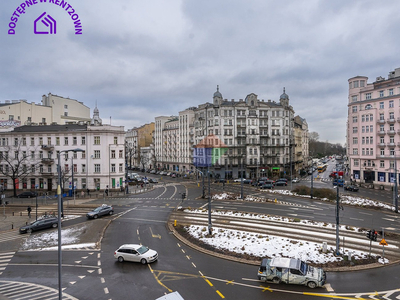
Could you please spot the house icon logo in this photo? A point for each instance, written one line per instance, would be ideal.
(48, 21)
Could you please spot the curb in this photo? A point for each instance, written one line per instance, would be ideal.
(256, 263)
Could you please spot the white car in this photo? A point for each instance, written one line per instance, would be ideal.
(239, 180)
(296, 180)
(136, 253)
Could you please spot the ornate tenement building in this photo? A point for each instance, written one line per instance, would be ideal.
(373, 129)
(260, 137)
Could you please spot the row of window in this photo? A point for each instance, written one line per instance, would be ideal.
(370, 151)
(364, 118)
(23, 141)
(369, 106)
(49, 169)
(369, 96)
(241, 112)
(369, 163)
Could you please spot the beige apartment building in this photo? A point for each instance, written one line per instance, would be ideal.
(53, 109)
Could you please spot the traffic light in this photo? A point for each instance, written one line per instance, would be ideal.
(374, 235)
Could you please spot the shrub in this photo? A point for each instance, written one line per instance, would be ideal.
(302, 190)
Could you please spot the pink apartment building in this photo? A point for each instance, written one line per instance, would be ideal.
(373, 129)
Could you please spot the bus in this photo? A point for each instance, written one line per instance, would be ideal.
(322, 168)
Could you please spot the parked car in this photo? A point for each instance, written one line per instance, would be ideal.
(28, 194)
(173, 175)
(153, 171)
(100, 211)
(267, 186)
(281, 183)
(283, 179)
(135, 253)
(270, 181)
(247, 181)
(239, 180)
(44, 223)
(290, 271)
(351, 188)
(296, 180)
(153, 180)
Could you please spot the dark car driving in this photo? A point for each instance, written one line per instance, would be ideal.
(100, 211)
(44, 223)
(28, 194)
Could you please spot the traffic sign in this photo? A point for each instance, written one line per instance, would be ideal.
(383, 242)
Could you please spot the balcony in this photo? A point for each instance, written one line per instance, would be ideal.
(47, 147)
(391, 120)
(381, 121)
(47, 174)
(382, 132)
(48, 161)
(382, 145)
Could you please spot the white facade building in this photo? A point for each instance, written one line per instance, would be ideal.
(101, 163)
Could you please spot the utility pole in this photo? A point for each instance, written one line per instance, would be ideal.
(396, 193)
(312, 179)
(337, 215)
(241, 182)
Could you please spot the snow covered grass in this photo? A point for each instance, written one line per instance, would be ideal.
(262, 245)
(49, 240)
(344, 199)
(274, 218)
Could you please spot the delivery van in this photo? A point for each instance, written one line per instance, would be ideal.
(291, 271)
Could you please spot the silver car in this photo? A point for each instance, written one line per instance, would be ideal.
(135, 253)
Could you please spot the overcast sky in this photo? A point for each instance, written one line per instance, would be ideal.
(142, 59)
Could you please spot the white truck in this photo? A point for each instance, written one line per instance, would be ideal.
(291, 271)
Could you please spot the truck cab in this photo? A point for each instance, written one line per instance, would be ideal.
(291, 271)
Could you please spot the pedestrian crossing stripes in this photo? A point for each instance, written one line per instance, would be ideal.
(5, 258)
(10, 236)
(25, 290)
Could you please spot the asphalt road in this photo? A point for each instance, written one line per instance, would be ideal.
(94, 273)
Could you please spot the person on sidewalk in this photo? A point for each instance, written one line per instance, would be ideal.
(29, 209)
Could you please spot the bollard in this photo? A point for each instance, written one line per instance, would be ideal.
(175, 223)
(20, 213)
(276, 200)
(12, 226)
(13, 214)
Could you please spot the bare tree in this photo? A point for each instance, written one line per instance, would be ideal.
(18, 162)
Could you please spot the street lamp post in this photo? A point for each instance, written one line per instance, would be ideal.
(312, 179)
(241, 181)
(59, 218)
(337, 214)
(395, 192)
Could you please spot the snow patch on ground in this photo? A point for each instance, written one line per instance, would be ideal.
(267, 246)
(47, 240)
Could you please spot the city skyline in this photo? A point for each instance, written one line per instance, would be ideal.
(138, 61)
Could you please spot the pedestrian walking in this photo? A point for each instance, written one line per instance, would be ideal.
(29, 209)
(88, 192)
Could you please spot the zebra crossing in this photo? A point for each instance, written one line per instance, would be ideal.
(25, 290)
(5, 258)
